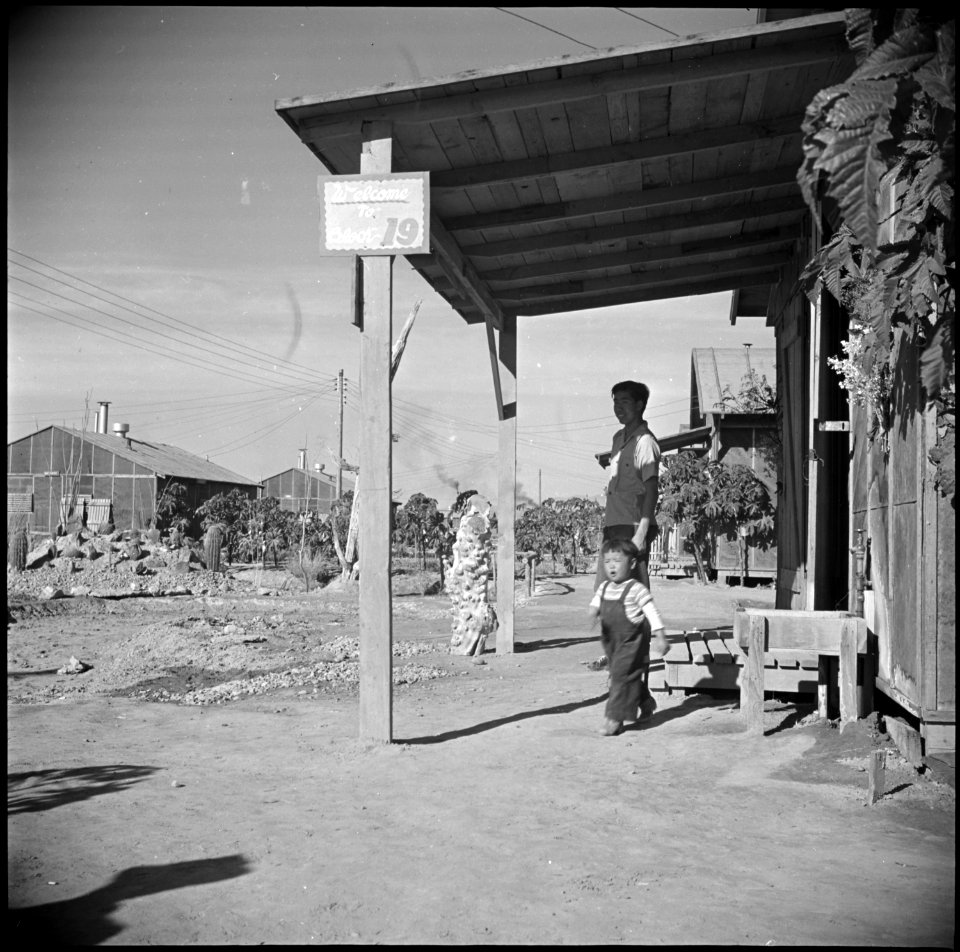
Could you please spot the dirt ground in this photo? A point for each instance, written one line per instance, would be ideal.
(202, 782)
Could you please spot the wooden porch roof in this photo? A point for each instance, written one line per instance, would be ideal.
(636, 174)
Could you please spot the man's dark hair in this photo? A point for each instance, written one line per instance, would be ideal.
(639, 391)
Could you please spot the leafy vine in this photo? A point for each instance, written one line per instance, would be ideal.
(890, 128)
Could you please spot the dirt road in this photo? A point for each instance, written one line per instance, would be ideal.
(147, 805)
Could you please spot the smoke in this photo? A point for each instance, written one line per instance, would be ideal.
(523, 498)
(441, 474)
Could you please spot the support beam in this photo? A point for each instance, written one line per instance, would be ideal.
(778, 239)
(522, 170)
(649, 276)
(507, 484)
(376, 341)
(791, 209)
(627, 201)
(657, 292)
(459, 271)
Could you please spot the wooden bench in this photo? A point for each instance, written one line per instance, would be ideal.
(799, 634)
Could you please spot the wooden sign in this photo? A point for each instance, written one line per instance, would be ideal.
(386, 214)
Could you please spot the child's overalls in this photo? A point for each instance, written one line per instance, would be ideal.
(627, 647)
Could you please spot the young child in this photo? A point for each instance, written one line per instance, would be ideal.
(621, 603)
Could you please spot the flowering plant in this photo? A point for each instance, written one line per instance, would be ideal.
(867, 378)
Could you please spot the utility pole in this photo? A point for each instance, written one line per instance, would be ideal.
(340, 436)
(539, 487)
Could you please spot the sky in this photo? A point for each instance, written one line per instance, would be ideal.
(163, 248)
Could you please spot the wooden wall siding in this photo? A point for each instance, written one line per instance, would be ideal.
(944, 604)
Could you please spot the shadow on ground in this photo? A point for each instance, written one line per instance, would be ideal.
(88, 919)
(38, 790)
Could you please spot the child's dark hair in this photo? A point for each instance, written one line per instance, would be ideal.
(639, 391)
(625, 546)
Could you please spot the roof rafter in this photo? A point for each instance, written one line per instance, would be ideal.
(609, 156)
(732, 215)
(739, 266)
(729, 247)
(647, 198)
(659, 292)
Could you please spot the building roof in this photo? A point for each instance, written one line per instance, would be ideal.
(719, 371)
(312, 474)
(163, 459)
(625, 175)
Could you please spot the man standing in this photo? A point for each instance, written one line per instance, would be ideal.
(631, 506)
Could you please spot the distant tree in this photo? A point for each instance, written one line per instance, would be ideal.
(172, 511)
(416, 524)
(747, 513)
(577, 520)
(537, 531)
(687, 502)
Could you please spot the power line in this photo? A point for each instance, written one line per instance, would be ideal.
(548, 28)
(648, 22)
(190, 332)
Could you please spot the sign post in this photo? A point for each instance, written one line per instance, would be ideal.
(375, 216)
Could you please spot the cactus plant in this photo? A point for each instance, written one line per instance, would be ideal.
(212, 543)
(17, 553)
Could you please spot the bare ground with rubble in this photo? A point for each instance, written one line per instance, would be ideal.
(201, 782)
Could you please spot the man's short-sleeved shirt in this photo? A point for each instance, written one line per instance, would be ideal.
(632, 464)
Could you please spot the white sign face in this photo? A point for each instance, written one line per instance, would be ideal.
(375, 214)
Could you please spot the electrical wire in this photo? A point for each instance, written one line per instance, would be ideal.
(191, 330)
(648, 22)
(548, 28)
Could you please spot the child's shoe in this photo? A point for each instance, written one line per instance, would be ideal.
(611, 728)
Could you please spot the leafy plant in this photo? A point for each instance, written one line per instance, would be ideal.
(890, 128)
(172, 510)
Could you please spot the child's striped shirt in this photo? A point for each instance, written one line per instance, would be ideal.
(639, 601)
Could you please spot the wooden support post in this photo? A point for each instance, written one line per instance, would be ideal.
(376, 339)
(751, 682)
(875, 776)
(823, 687)
(507, 485)
(847, 674)
(866, 673)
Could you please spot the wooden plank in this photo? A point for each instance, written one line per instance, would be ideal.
(817, 631)
(315, 129)
(716, 677)
(875, 776)
(520, 170)
(793, 658)
(721, 654)
(506, 485)
(647, 198)
(376, 340)
(848, 671)
(672, 288)
(751, 684)
(678, 652)
(698, 648)
(823, 688)
(783, 210)
(906, 738)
